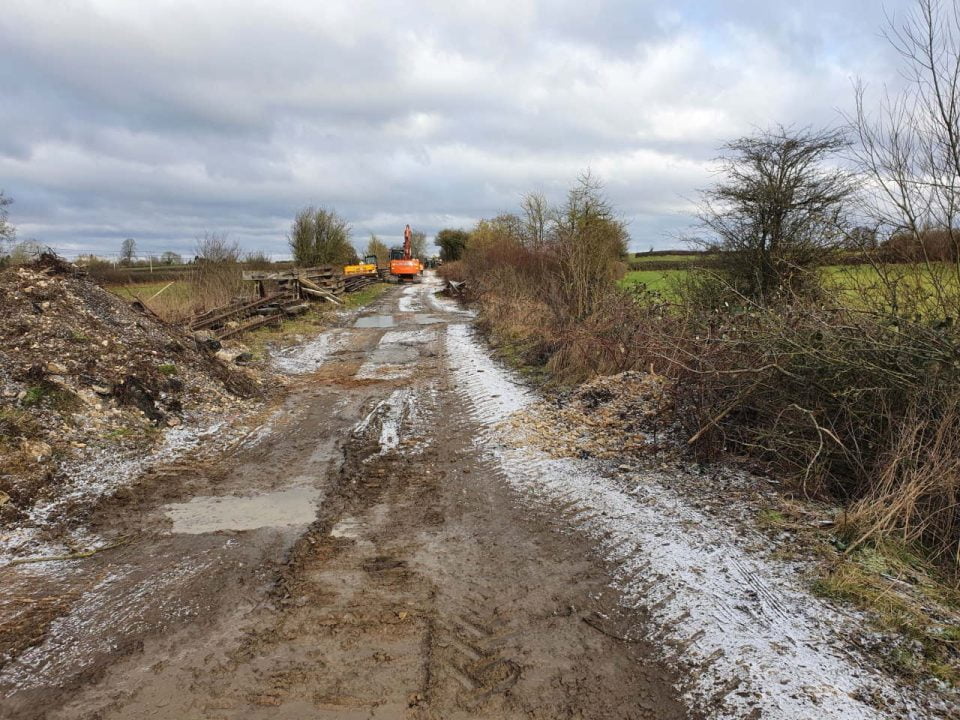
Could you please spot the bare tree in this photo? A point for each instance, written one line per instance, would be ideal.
(216, 248)
(7, 231)
(778, 212)
(536, 219)
(128, 251)
(418, 245)
(377, 247)
(910, 150)
(588, 242)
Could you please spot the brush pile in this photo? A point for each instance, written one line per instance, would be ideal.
(609, 417)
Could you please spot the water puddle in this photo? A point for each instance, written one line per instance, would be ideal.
(389, 361)
(285, 508)
(374, 321)
(423, 319)
(408, 337)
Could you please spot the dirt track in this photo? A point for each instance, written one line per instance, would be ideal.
(378, 566)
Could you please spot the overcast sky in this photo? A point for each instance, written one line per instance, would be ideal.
(159, 120)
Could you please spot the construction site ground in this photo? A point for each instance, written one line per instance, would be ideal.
(376, 545)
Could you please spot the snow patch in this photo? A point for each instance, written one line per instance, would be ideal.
(310, 355)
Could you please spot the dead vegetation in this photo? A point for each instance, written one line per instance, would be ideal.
(853, 406)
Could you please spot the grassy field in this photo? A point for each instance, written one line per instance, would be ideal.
(653, 280)
(177, 300)
(853, 282)
(640, 260)
(174, 300)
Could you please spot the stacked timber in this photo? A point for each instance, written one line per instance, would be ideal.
(279, 294)
(246, 314)
(358, 282)
(324, 282)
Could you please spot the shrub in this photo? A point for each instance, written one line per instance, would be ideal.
(452, 243)
(777, 214)
(545, 280)
(852, 405)
(320, 237)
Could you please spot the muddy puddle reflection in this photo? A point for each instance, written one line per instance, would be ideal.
(286, 508)
(374, 321)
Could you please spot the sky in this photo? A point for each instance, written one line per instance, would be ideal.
(161, 120)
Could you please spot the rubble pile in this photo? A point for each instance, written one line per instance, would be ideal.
(82, 372)
(608, 417)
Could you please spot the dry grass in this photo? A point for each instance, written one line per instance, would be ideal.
(199, 290)
(855, 404)
(915, 495)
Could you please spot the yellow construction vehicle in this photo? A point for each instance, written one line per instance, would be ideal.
(367, 268)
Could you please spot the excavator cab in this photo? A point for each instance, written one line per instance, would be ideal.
(403, 267)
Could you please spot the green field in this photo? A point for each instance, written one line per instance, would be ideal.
(852, 282)
(641, 259)
(653, 280)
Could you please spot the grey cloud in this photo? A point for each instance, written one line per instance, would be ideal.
(162, 120)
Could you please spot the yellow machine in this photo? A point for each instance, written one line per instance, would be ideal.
(367, 267)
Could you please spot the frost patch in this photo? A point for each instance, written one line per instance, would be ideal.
(751, 640)
(310, 355)
(410, 300)
(94, 628)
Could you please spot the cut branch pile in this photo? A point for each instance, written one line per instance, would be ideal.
(280, 294)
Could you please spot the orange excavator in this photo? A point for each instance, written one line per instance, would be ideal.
(403, 266)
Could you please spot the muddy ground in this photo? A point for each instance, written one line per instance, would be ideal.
(357, 556)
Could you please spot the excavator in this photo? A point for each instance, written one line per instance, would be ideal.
(403, 266)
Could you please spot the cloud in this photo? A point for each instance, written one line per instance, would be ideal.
(162, 120)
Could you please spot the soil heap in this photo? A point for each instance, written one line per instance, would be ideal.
(83, 372)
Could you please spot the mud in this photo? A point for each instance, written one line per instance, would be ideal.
(356, 556)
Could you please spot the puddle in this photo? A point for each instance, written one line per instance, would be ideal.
(389, 362)
(407, 337)
(296, 506)
(374, 321)
(422, 319)
(394, 354)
